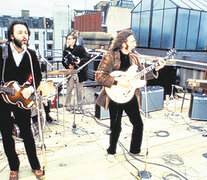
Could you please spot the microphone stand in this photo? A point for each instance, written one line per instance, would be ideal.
(74, 126)
(41, 135)
(48, 62)
(146, 174)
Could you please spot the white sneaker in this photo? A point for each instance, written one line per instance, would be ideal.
(110, 157)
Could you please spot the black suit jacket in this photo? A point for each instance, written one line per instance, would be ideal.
(21, 73)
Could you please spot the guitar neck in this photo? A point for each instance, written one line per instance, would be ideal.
(150, 68)
(146, 70)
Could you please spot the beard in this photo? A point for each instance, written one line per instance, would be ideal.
(18, 43)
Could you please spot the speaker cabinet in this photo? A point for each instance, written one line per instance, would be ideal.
(100, 112)
(155, 98)
(198, 107)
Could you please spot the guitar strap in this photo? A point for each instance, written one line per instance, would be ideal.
(4, 56)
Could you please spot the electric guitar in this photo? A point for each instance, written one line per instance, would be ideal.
(12, 94)
(123, 94)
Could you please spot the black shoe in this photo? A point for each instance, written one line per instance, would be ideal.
(49, 119)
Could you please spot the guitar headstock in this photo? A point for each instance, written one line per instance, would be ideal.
(171, 54)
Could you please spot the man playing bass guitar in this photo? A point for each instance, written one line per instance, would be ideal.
(120, 57)
(18, 68)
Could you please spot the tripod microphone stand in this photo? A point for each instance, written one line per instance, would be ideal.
(75, 90)
(173, 98)
(75, 77)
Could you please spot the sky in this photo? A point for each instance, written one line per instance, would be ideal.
(44, 8)
(40, 8)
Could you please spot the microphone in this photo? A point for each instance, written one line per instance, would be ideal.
(141, 59)
(135, 52)
(177, 87)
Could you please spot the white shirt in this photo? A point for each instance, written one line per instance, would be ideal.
(17, 56)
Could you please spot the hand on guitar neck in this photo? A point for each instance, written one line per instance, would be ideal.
(161, 64)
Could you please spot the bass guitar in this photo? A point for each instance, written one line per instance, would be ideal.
(123, 94)
(12, 94)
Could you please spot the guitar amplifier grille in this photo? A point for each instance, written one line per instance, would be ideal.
(155, 98)
(198, 106)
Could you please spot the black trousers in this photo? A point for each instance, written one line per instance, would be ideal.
(22, 119)
(132, 110)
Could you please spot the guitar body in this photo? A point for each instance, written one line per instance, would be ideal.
(12, 94)
(122, 94)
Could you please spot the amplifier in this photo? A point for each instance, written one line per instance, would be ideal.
(198, 107)
(100, 112)
(155, 98)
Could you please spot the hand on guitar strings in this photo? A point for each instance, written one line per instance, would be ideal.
(161, 64)
(26, 92)
(123, 81)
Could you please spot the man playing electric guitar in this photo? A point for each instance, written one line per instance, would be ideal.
(120, 57)
(73, 57)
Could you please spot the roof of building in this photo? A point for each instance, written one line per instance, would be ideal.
(96, 35)
(200, 5)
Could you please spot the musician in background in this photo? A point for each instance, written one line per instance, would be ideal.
(75, 56)
(17, 68)
(120, 57)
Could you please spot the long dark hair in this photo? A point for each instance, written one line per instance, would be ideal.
(11, 28)
(120, 38)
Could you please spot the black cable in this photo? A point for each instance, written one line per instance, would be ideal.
(162, 133)
(152, 162)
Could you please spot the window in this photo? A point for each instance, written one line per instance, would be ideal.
(202, 40)
(193, 30)
(144, 29)
(168, 28)
(182, 28)
(49, 46)
(37, 46)
(35, 23)
(5, 22)
(49, 36)
(36, 35)
(156, 33)
(136, 25)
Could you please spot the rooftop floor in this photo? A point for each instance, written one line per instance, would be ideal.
(176, 146)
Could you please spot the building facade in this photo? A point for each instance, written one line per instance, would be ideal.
(41, 38)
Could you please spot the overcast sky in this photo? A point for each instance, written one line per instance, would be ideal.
(42, 8)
